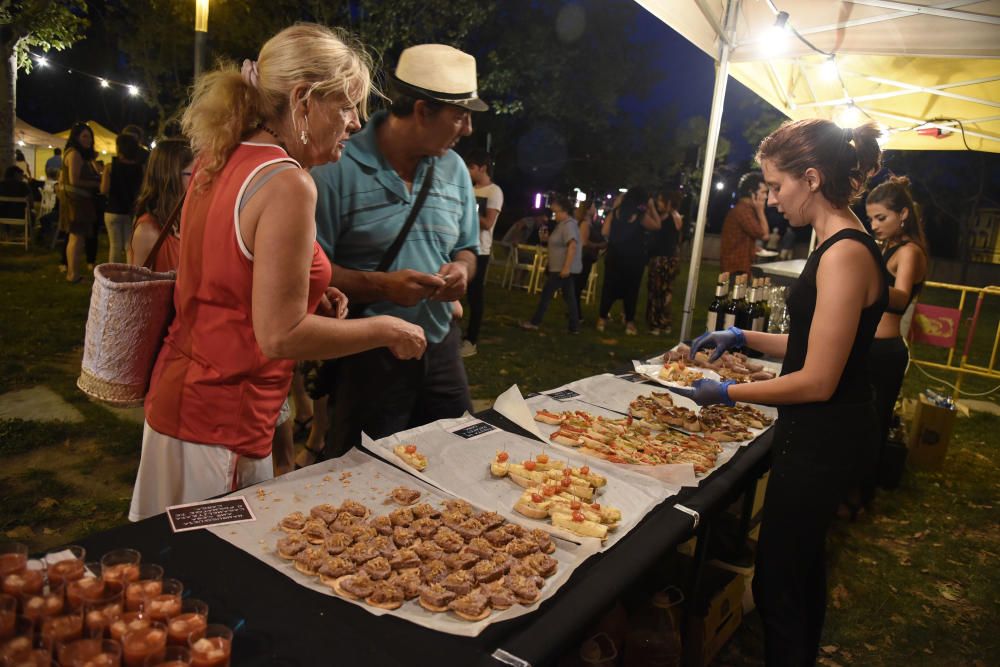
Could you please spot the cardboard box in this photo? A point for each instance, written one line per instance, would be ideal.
(930, 433)
(715, 622)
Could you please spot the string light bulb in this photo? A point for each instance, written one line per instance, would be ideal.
(775, 39)
(105, 84)
(720, 185)
(829, 69)
(133, 90)
(152, 144)
(43, 61)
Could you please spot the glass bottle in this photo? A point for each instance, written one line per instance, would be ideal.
(713, 322)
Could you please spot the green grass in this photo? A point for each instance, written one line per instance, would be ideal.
(913, 583)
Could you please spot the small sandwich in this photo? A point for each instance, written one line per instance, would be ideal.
(354, 586)
(354, 508)
(500, 465)
(564, 437)
(547, 417)
(290, 546)
(386, 596)
(544, 566)
(325, 512)
(532, 505)
(335, 567)
(499, 595)
(309, 560)
(576, 523)
(409, 582)
(435, 597)
(401, 495)
(410, 456)
(524, 589)
(473, 606)
(293, 523)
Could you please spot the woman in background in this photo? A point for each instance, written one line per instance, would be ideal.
(120, 182)
(79, 182)
(625, 229)
(663, 260)
(168, 173)
(592, 243)
(897, 225)
(826, 418)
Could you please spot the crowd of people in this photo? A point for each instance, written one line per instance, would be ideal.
(297, 235)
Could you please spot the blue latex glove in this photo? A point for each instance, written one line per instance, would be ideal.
(721, 340)
(706, 392)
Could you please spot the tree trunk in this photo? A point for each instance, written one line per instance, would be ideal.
(8, 104)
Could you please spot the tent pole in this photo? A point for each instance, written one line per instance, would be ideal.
(714, 126)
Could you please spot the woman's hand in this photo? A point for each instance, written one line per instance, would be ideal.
(707, 392)
(406, 341)
(333, 304)
(720, 340)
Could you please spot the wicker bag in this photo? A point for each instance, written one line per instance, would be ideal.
(130, 310)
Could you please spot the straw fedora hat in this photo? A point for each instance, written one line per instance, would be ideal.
(439, 72)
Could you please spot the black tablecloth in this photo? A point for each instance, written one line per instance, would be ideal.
(280, 623)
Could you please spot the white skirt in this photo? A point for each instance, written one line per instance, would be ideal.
(174, 472)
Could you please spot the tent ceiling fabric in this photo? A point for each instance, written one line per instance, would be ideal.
(900, 64)
(32, 136)
(105, 141)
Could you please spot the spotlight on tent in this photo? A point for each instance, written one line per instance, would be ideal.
(847, 115)
(775, 38)
(829, 69)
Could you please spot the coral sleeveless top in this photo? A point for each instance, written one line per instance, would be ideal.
(212, 383)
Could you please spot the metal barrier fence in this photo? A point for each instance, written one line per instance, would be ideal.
(936, 336)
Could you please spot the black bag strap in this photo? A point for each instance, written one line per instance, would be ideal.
(393, 251)
(355, 309)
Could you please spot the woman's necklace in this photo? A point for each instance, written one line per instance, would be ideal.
(261, 126)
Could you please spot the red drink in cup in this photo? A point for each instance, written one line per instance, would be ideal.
(66, 564)
(99, 614)
(173, 656)
(167, 603)
(211, 648)
(8, 616)
(119, 567)
(147, 585)
(13, 558)
(25, 582)
(62, 628)
(89, 653)
(50, 602)
(128, 621)
(82, 590)
(193, 619)
(140, 645)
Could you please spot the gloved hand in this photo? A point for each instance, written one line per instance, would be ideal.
(721, 340)
(707, 392)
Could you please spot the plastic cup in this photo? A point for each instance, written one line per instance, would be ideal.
(89, 653)
(120, 566)
(88, 587)
(173, 656)
(61, 628)
(141, 644)
(49, 602)
(13, 557)
(8, 616)
(63, 566)
(167, 603)
(24, 582)
(192, 619)
(211, 647)
(128, 621)
(99, 614)
(147, 585)
(36, 657)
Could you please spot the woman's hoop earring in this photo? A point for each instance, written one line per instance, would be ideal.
(304, 134)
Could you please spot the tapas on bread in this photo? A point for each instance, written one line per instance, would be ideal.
(454, 559)
(677, 373)
(719, 422)
(626, 440)
(555, 491)
(410, 456)
(730, 366)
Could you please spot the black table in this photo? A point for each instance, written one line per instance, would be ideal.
(277, 622)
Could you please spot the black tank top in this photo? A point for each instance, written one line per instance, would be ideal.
(854, 386)
(886, 256)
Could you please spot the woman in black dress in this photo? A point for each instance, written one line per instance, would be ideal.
(826, 425)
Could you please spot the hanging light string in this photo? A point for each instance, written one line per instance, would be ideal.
(43, 62)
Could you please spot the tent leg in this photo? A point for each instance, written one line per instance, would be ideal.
(714, 126)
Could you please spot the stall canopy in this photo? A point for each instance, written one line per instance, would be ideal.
(104, 139)
(32, 136)
(928, 71)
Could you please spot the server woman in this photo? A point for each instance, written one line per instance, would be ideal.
(827, 422)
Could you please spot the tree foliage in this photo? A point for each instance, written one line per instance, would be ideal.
(24, 24)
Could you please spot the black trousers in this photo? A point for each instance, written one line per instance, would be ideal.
(816, 458)
(568, 286)
(379, 394)
(887, 362)
(476, 301)
(622, 278)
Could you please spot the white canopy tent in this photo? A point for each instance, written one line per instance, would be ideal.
(927, 70)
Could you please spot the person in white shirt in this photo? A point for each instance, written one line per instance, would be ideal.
(489, 197)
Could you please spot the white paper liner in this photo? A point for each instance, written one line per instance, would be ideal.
(363, 478)
(461, 467)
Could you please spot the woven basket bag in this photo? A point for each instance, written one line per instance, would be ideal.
(130, 310)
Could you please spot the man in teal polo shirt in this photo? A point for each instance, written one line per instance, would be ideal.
(363, 203)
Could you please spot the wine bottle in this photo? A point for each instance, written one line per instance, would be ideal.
(713, 321)
(758, 316)
(737, 304)
(744, 319)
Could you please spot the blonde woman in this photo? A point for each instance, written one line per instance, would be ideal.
(251, 276)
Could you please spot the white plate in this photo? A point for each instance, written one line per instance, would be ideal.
(652, 372)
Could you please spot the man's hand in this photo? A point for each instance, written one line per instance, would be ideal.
(564, 273)
(455, 277)
(409, 287)
(333, 304)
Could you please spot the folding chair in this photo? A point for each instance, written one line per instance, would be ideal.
(591, 289)
(525, 267)
(24, 221)
(500, 255)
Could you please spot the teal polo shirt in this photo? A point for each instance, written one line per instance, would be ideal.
(363, 203)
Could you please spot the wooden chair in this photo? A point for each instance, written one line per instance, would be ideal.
(24, 221)
(523, 270)
(590, 291)
(501, 255)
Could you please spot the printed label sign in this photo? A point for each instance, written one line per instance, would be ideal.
(632, 377)
(474, 430)
(209, 513)
(563, 395)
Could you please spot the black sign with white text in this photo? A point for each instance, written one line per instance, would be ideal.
(209, 513)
